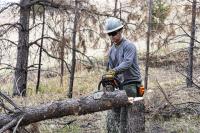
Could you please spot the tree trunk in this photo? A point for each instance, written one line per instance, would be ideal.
(62, 52)
(136, 117)
(127, 119)
(99, 101)
(71, 81)
(148, 43)
(40, 54)
(115, 10)
(191, 48)
(20, 79)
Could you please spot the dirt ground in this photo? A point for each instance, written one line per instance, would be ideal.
(171, 107)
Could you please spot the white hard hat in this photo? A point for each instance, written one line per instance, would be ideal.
(112, 24)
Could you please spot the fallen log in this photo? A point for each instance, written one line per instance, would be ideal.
(99, 101)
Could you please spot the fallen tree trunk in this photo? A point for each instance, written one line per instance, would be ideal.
(97, 102)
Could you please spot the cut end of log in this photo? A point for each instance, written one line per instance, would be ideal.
(138, 99)
(134, 99)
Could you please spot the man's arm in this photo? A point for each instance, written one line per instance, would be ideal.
(110, 62)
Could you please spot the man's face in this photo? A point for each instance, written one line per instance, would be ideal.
(115, 36)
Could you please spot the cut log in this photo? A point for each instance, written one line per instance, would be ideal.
(99, 101)
(127, 119)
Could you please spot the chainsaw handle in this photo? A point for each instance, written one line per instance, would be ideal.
(99, 85)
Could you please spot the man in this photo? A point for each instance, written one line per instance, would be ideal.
(122, 63)
(123, 57)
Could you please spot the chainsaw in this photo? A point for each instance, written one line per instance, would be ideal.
(109, 83)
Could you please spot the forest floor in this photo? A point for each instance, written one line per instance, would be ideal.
(175, 110)
(171, 107)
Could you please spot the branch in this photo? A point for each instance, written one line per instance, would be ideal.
(9, 100)
(8, 125)
(50, 4)
(15, 25)
(33, 65)
(9, 66)
(3, 39)
(10, 5)
(5, 107)
(35, 42)
(197, 86)
(188, 34)
(44, 50)
(45, 37)
(166, 97)
(15, 129)
(10, 24)
(35, 26)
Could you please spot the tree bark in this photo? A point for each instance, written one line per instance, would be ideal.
(136, 117)
(99, 101)
(191, 48)
(115, 10)
(40, 54)
(148, 44)
(62, 53)
(71, 80)
(20, 79)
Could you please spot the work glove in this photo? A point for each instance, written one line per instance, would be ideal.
(111, 73)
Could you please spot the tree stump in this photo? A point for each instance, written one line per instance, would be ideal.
(128, 119)
(136, 116)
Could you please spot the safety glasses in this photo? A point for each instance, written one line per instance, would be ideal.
(113, 33)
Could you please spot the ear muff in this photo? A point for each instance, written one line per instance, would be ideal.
(140, 90)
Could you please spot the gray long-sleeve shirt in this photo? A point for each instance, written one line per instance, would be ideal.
(123, 59)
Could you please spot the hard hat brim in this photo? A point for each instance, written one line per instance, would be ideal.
(109, 31)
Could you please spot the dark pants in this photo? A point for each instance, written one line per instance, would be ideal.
(131, 89)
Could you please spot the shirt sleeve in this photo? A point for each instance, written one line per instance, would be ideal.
(110, 62)
(129, 52)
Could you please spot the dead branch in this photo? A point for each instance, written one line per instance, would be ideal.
(9, 125)
(8, 6)
(3, 39)
(9, 26)
(196, 85)
(54, 57)
(166, 97)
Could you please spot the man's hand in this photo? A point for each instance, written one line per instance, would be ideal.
(111, 72)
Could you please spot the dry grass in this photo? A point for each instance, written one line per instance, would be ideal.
(174, 86)
(50, 90)
(172, 83)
